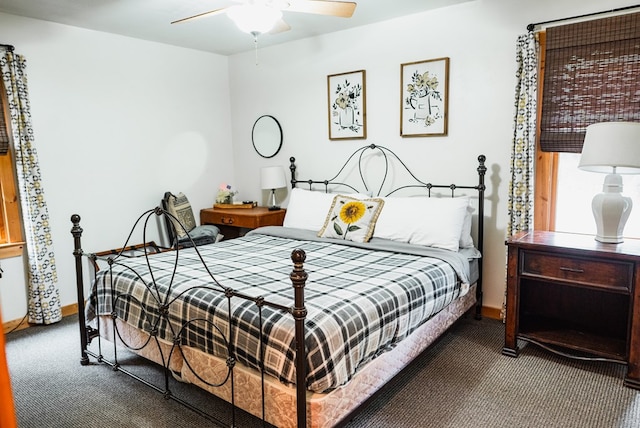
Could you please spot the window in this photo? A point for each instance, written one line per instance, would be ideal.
(575, 190)
(588, 73)
(10, 223)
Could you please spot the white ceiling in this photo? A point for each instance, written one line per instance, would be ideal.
(151, 20)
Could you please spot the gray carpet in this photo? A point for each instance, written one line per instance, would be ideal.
(463, 381)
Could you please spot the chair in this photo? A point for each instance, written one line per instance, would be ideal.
(179, 231)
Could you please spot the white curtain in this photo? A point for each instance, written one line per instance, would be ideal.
(43, 293)
(523, 145)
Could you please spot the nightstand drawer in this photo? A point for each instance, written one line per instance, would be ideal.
(596, 273)
(229, 219)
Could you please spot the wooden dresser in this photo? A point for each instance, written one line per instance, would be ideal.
(234, 222)
(576, 297)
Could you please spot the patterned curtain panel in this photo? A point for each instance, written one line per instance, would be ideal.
(523, 149)
(44, 298)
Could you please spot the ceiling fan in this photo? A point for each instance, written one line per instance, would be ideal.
(262, 16)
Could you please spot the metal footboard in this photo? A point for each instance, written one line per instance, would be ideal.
(110, 258)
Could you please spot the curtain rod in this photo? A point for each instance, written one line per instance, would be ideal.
(530, 27)
(10, 48)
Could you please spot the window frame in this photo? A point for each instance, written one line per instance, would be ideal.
(11, 232)
(546, 167)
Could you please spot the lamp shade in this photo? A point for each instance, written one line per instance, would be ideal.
(612, 144)
(272, 177)
(254, 18)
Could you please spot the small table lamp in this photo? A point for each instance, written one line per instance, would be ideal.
(272, 177)
(612, 148)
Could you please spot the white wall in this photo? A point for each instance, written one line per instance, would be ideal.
(479, 38)
(173, 105)
(117, 122)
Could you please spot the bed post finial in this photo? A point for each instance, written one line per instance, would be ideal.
(298, 279)
(292, 168)
(482, 169)
(76, 231)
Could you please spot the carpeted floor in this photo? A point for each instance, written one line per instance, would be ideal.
(463, 381)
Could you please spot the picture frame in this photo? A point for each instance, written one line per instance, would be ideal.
(347, 102)
(424, 97)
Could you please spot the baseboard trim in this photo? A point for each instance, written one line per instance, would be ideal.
(20, 324)
(493, 313)
(70, 310)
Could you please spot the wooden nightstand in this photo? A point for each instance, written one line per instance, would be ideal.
(576, 297)
(235, 222)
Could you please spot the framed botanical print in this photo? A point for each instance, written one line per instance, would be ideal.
(347, 105)
(424, 93)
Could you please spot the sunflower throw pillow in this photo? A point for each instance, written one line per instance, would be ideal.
(351, 219)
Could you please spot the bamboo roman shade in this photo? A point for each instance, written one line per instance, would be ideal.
(591, 75)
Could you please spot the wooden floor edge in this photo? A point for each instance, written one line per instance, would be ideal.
(15, 325)
(22, 323)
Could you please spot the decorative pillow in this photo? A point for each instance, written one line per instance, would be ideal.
(432, 222)
(351, 218)
(179, 206)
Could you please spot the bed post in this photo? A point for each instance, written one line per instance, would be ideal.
(292, 168)
(76, 231)
(298, 279)
(482, 170)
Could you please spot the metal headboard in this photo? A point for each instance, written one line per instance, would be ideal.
(388, 154)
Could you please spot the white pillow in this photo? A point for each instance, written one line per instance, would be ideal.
(466, 240)
(432, 222)
(307, 209)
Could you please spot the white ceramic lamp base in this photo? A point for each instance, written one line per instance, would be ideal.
(611, 210)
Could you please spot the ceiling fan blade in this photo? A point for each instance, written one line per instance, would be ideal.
(200, 15)
(343, 9)
(280, 27)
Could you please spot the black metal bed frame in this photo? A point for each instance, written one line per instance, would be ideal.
(334, 183)
(298, 279)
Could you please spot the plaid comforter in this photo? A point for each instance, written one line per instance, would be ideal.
(360, 301)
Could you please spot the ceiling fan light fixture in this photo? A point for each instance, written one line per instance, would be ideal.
(254, 18)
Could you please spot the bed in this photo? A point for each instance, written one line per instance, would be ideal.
(298, 325)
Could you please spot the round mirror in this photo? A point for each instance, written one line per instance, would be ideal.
(267, 136)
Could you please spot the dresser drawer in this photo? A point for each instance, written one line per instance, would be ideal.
(607, 274)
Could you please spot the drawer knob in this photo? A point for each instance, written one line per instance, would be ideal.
(566, 269)
(227, 220)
